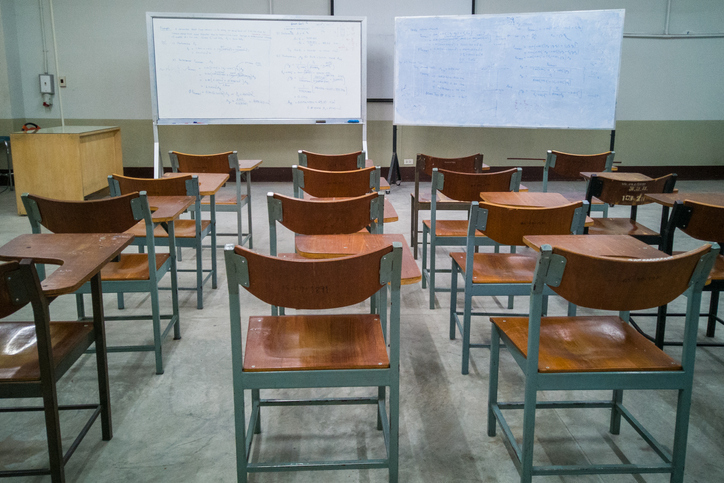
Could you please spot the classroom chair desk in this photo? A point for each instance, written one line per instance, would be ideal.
(598, 245)
(80, 256)
(390, 212)
(527, 198)
(333, 246)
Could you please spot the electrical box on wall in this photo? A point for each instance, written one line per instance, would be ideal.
(47, 86)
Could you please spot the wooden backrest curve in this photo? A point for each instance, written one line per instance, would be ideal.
(508, 225)
(467, 186)
(465, 164)
(174, 186)
(330, 162)
(570, 166)
(204, 163)
(326, 217)
(705, 222)
(608, 283)
(108, 215)
(313, 284)
(331, 184)
(631, 193)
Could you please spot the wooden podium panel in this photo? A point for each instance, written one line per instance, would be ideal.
(67, 163)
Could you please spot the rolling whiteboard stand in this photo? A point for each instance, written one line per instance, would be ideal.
(256, 69)
(536, 70)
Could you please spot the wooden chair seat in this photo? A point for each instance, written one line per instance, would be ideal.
(573, 196)
(326, 342)
(182, 229)
(19, 350)
(619, 226)
(499, 267)
(444, 200)
(131, 266)
(292, 256)
(225, 196)
(450, 227)
(587, 344)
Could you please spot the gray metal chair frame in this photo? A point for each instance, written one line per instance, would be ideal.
(550, 270)
(141, 211)
(478, 221)
(425, 164)
(438, 184)
(589, 160)
(359, 156)
(336, 178)
(192, 189)
(239, 266)
(242, 199)
(20, 286)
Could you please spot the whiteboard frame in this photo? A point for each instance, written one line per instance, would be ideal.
(428, 124)
(150, 16)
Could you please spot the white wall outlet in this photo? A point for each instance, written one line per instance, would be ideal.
(409, 161)
(46, 84)
(61, 82)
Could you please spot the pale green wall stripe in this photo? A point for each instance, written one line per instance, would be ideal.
(638, 143)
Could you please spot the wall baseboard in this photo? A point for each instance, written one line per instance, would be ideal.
(530, 173)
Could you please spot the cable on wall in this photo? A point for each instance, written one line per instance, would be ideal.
(57, 67)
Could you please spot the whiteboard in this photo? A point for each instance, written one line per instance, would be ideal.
(534, 70)
(381, 32)
(256, 69)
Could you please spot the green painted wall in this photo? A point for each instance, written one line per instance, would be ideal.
(638, 143)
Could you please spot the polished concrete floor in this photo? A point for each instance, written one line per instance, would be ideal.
(179, 426)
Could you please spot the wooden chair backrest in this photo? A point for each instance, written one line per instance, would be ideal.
(618, 284)
(313, 283)
(508, 225)
(109, 215)
(705, 222)
(570, 166)
(631, 193)
(326, 217)
(467, 186)
(331, 184)
(204, 163)
(465, 164)
(331, 162)
(175, 186)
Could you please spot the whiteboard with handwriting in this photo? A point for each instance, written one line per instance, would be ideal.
(260, 69)
(535, 70)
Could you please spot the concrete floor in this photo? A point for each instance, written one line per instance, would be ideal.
(179, 426)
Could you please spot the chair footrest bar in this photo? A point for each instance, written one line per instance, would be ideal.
(318, 402)
(127, 348)
(600, 469)
(41, 408)
(127, 317)
(13, 473)
(319, 465)
(560, 404)
(484, 346)
(81, 435)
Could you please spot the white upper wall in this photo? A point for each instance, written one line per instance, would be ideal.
(103, 53)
